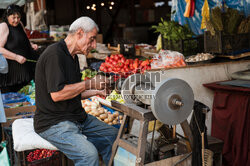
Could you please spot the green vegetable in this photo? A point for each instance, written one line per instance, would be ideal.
(87, 74)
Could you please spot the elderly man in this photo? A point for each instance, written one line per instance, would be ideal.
(59, 117)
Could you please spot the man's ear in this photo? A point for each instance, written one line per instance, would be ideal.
(80, 32)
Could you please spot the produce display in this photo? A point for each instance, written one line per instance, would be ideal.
(168, 59)
(120, 65)
(115, 96)
(199, 57)
(35, 34)
(94, 108)
(230, 21)
(40, 154)
(87, 74)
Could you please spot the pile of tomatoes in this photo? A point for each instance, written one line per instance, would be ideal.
(40, 154)
(35, 34)
(120, 65)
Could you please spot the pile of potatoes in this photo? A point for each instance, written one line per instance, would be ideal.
(94, 108)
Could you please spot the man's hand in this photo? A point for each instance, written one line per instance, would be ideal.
(99, 82)
(104, 92)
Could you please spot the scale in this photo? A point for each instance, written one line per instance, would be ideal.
(171, 102)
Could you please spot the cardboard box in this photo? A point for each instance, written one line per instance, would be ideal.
(99, 38)
(16, 113)
(148, 52)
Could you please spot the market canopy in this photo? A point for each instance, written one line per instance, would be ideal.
(5, 3)
(194, 22)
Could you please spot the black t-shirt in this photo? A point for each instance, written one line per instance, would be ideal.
(55, 69)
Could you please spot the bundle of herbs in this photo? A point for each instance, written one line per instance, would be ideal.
(174, 34)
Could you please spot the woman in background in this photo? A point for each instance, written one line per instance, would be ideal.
(16, 48)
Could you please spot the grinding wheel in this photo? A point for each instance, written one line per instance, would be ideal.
(129, 87)
(172, 102)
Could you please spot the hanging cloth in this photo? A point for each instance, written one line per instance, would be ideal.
(188, 8)
(192, 8)
(205, 14)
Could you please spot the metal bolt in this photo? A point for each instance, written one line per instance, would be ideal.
(138, 160)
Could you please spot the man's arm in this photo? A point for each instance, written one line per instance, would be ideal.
(70, 91)
(89, 93)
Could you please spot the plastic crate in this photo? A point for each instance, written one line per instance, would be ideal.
(8, 137)
(13, 97)
(226, 44)
(187, 47)
(55, 160)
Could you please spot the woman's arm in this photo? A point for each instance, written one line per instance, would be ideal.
(4, 32)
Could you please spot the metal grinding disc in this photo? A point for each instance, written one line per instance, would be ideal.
(172, 101)
(118, 84)
(129, 86)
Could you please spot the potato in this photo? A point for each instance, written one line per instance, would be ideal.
(121, 121)
(112, 116)
(114, 122)
(95, 113)
(91, 113)
(116, 113)
(101, 110)
(103, 116)
(98, 113)
(110, 119)
(106, 120)
(87, 109)
(120, 117)
(110, 123)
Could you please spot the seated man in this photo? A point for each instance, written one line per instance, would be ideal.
(60, 118)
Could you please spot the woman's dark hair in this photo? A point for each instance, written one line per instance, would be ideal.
(11, 9)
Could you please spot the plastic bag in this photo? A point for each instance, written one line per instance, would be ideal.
(168, 59)
(3, 65)
(4, 158)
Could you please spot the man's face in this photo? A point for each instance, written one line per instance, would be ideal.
(14, 19)
(87, 41)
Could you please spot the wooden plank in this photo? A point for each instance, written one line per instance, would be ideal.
(119, 136)
(134, 111)
(242, 55)
(140, 156)
(129, 146)
(173, 161)
(187, 131)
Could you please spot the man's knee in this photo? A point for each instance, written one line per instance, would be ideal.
(90, 155)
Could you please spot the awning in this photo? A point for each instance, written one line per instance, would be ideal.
(5, 3)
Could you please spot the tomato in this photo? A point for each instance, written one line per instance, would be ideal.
(105, 70)
(123, 60)
(109, 69)
(101, 68)
(127, 62)
(120, 55)
(116, 57)
(112, 56)
(107, 59)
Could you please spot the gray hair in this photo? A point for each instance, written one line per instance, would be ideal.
(85, 23)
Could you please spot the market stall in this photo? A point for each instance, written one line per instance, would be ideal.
(157, 90)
